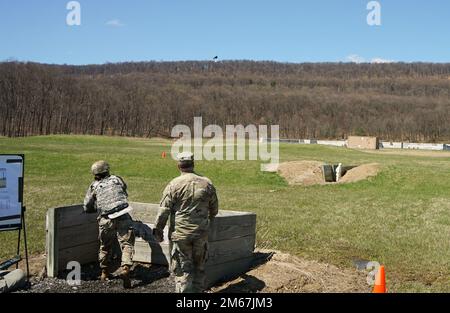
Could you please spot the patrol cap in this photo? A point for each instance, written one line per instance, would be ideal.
(185, 160)
(185, 157)
(100, 167)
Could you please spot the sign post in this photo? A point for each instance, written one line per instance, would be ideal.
(12, 210)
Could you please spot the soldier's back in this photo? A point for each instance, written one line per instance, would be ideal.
(111, 193)
(192, 194)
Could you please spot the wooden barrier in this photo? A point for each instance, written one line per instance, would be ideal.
(73, 236)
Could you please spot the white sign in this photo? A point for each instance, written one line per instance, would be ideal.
(11, 191)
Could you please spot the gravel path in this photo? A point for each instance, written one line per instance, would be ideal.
(145, 279)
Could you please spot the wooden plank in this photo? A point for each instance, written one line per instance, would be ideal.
(74, 215)
(231, 249)
(51, 247)
(225, 271)
(85, 253)
(78, 234)
(145, 212)
(150, 252)
(73, 236)
(232, 224)
(226, 225)
(219, 251)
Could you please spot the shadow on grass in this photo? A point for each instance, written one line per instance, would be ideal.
(248, 283)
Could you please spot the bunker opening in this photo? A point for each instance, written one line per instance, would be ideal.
(308, 173)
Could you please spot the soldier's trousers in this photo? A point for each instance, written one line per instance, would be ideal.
(119, 229)
(188, 264)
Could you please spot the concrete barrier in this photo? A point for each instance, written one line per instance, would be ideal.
(364, 143)
(336, 143)
(391, 145)
(423, 146)
(72, 235)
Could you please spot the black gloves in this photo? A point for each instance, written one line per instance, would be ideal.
(158, 234)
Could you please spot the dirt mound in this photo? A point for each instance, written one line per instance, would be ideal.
(360, 173)
(284, 273)
(302, 172)
(308, 173)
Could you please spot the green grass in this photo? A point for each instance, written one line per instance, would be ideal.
(401, 218)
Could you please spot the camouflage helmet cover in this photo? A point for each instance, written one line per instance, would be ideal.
(100, 167)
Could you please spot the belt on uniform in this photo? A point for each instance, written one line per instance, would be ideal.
(115, 210)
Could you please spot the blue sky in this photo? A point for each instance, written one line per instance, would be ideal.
(283, 30)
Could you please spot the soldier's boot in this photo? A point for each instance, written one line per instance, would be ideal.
(104, 275)
(126, 277)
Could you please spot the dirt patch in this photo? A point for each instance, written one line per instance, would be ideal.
(360, 173)
(36, 264)
(308, 173)
(284, 273)
(272, 271)
(305, 173)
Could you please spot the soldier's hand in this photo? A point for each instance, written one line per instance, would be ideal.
(158, 234)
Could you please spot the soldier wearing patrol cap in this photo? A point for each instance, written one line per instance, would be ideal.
(190, 201)
(108, 196)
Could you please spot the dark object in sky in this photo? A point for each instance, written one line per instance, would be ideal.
(215, 58)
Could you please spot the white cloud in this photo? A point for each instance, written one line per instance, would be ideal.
(115, 23)
(380, 60)
(354, 58)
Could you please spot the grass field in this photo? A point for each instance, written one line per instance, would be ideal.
(401, 218)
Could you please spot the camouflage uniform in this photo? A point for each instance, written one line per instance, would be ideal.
(190, 201)
(106, 195)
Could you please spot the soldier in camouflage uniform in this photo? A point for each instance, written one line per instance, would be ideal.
(108, 195)
(191, 202)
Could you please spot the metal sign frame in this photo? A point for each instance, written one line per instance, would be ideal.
(22, 224)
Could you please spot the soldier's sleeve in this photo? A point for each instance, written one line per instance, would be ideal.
(90, 200)
(124, 185)
(165, 207)
(213, 202)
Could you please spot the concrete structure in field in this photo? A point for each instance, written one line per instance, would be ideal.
(73, 236)
(390, 145)
(358, 142)
(336, 143)
(423, 146)
(414, 146)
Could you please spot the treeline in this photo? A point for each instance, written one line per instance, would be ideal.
(408, 102)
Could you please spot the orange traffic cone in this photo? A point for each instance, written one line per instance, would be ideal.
(380, 281)
(163, 155)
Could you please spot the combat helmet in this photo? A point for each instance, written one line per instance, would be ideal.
(100, 167)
